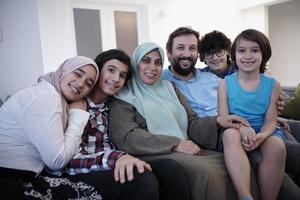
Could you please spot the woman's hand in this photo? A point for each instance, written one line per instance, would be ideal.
(124, 168)
(187, 147)
(80, 104)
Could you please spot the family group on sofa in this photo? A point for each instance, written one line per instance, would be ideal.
(120, 127)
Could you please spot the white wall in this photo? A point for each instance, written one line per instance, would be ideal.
(255, 17)
(245, 4)
(285, 40)
(203, 16)
(39, 34)
(57, 32)
(20, 47)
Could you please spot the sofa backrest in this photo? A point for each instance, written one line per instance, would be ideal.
(289, 90)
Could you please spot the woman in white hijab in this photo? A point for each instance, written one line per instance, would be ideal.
(42, 125)
(151, 119)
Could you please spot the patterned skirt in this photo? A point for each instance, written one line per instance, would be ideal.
(19, 184)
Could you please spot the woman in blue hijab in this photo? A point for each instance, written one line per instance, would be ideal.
(151, 119)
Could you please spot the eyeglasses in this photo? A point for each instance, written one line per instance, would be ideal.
(218, 52)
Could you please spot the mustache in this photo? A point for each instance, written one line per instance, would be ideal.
(186, 58)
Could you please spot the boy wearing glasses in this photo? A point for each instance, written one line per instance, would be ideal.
(214, 49)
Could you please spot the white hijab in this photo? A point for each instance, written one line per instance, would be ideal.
(63, 70)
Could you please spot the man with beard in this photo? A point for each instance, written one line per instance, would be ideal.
(200, 88)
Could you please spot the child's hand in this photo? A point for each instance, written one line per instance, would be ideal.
(248, 137)
(124, 168)
(260, 138)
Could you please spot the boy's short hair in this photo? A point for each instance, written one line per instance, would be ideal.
(117, 54)
(212, 41)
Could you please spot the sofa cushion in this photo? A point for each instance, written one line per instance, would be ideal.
(292, 107)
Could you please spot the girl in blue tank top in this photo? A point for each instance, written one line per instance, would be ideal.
(252, 95)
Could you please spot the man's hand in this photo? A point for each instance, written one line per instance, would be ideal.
(280, 103)
(124, 168)
(187, 147)
(232, 121)
(284, 124)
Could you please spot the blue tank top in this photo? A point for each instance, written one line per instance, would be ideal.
(252, 105)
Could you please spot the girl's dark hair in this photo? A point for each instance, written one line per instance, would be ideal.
(179, 32)
(260, 39)
(117, 54)
(212, 41)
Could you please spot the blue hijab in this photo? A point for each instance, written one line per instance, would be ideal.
(157, 103)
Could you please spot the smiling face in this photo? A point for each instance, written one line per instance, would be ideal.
(214, 49)
(217, 60)
(184, 54)
(78, 83)
(248, 56)
(150, 67)
(112, 78)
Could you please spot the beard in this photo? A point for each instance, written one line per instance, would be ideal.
(181, 70)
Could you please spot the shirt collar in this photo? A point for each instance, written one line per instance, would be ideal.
(92, 105)
(230, 70)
